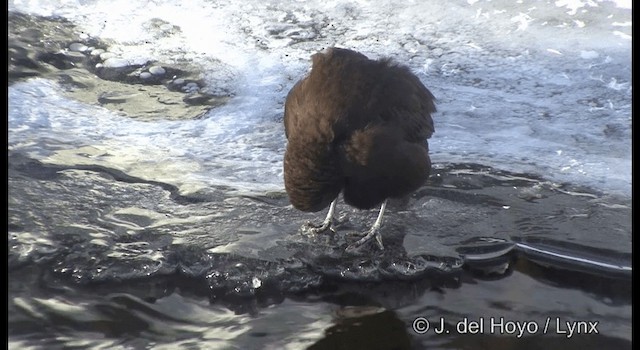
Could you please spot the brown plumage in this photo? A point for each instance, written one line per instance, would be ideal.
(358, 126)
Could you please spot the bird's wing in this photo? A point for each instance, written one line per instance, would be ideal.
(292, 108)
(407, 103)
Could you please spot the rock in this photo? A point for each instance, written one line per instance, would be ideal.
(156, 70)
(115, 62)
(78, 47)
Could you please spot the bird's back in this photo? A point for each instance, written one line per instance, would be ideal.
(356, 125)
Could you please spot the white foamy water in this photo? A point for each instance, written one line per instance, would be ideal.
(536, 86)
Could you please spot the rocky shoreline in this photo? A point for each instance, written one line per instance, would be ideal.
(54, 48)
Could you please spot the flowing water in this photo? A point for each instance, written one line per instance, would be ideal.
(147, 207)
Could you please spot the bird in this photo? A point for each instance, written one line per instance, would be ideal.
(359, 127)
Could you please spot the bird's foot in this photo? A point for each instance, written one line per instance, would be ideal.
(310, 228)
(342, 219)
(371, 234)
(327, 224)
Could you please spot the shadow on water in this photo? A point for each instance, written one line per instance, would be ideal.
(95, 251)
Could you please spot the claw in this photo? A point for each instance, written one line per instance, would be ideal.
(310, 228)
(374, 232)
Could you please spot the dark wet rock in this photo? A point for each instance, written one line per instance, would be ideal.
(252, 248)
(57, 60)
(232, 278)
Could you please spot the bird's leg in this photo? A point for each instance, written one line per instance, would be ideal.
(373, 232)
(310, 228)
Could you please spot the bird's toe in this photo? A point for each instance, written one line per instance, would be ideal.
(364, 239)
(310, 228)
